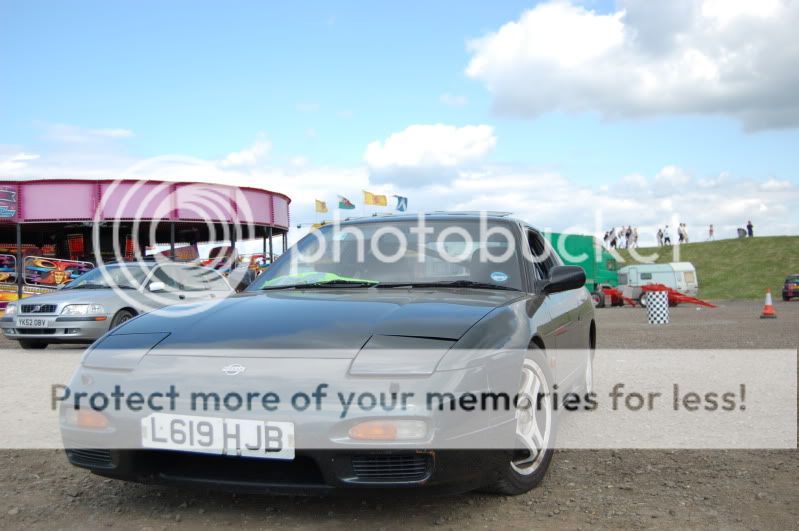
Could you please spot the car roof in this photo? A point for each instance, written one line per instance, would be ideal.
(152, 263)
(435, 216)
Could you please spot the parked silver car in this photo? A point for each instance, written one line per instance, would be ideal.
(106, 297)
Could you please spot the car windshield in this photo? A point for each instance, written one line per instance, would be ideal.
(390, 253)
(125, 277)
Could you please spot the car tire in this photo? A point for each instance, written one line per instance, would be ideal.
(518, 473)
(786, 298)
(642, 299)
(32, 344)
(120, 317)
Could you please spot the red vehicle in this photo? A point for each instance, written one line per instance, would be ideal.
(791, 287)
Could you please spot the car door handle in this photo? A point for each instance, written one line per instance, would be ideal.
(181, 297)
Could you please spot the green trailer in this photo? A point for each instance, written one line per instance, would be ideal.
(601, 268)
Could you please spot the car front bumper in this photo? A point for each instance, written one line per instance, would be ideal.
(319, 472)
(64, 329)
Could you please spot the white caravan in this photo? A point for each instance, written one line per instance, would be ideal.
(680, 276)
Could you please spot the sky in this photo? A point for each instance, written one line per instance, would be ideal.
(571, 114)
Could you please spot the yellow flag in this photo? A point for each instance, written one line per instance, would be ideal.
(321, 206)
(374, 199)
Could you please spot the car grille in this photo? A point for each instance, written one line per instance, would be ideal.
(36, 331)
(392, 467)
(38, 308)
(90, 457)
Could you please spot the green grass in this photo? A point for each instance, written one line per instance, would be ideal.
(736, 269)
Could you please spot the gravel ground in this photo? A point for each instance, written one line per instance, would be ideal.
(584, 489)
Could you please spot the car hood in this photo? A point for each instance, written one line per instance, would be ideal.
(73, 296)
(321, 318)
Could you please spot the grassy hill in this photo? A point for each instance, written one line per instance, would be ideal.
(737, 269)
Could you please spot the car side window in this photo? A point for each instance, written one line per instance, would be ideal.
(214, 281)
(167, 275)
(542, 255)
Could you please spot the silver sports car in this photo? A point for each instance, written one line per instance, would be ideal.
(106, 297)
(387, 352)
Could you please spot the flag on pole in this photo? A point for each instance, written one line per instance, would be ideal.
(402, 203)
(345, 204)
(321, 206)
(374, 199)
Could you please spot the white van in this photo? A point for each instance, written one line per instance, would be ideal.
(680, 276)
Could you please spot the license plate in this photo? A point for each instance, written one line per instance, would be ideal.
(219, 436)
(34, 322)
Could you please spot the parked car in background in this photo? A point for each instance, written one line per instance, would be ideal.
(92, 304)
(680, 276)
(791, 287)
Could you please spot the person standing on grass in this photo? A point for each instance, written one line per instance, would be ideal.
(750, 229)
(660, 237)
(666, 237)
(710, 232)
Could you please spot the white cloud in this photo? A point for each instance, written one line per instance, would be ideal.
(251, 155)
(453, 100)
(671, 177)
(10, 164)
(634, 180)
(428, 152)
(726, 57)
(547, 199)
(80, 135)
(776, 184)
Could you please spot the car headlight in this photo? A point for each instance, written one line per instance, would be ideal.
(83, 309)
(120, 351)
(399, 356)
(11, 309)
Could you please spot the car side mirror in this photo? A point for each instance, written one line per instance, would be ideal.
(157, 286)
(563, 278)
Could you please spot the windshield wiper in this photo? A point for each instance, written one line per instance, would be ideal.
(89, 286)
(334, 283)
(447, 284)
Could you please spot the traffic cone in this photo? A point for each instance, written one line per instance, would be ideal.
(768, 308)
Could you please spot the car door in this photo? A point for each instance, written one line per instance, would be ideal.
(186, 283)
(565, 308)
(164, 284)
